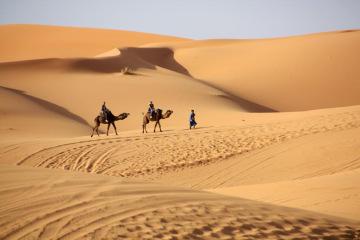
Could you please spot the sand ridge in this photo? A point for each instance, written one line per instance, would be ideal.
(154, 154)
(310, 72)
(20, 41)
(73, 206)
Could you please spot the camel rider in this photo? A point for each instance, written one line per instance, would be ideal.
(151, 109)
(104, 112)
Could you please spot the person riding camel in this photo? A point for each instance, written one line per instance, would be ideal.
(104, 112)
(151, 110)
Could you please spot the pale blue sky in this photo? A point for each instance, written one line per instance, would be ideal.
(198, 19)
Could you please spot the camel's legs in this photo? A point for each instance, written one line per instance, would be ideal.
(107, 133)
(95, 128)
(160, 126)
(155, 126)
(114, 128)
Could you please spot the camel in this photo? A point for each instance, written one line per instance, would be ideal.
(111, 120)
(157, 118)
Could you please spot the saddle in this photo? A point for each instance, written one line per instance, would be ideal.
(104, 116)
(152, 114)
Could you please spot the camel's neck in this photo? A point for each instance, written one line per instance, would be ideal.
(166, 115)
(121, 117)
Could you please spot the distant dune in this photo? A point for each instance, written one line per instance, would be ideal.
(24, 41)
(275, 155)
(286, 74)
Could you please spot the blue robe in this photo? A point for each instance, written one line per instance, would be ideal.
(192, 119)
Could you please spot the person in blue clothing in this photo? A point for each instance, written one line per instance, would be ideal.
(151, 110)
(192, 119)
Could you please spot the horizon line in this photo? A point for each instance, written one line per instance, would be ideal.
(160, 34)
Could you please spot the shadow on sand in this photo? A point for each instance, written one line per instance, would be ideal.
(49, 106)
(149, 58)
(132, 58)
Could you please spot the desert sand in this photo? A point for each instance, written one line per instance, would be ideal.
(275, 155)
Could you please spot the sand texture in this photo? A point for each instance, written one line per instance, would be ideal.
(275, 155)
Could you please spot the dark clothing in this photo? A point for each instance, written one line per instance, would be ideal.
(151, 110)
(192, 120)
(192, 116)
(151, 105)
(104, 108)
(104, 112)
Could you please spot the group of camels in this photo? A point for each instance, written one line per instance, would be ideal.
(111, 119)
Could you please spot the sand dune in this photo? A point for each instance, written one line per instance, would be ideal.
(58, 183)
(278, 149)
(335, 194)
(94, 80)
(287, 74)
(24, 41)
(132, 58)
(29, 116)
(178, 149)
(56, 205)
(264, 72)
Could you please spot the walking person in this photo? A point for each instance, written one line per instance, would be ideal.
(192, 119)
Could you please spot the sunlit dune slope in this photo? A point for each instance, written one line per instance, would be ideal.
(47, 204)
(265, 149)
(335, 194)
(285, 74)
(24, 42)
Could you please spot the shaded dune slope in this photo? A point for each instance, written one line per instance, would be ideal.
(49, 106)
(132, 58)
(25, 113)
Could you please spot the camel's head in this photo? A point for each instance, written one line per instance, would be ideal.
(169, 112)
(122, 116)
